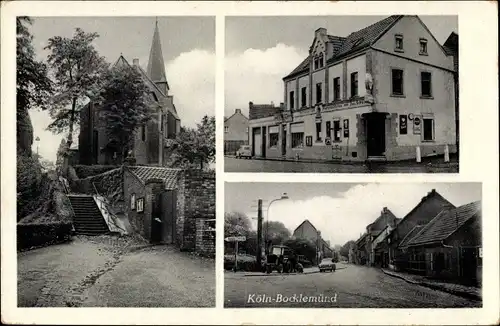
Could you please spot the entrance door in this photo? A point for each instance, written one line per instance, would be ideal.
(283, 141)
(264, 140)
(169, 215)
(256, 143)
(375, 133)
(468, 264)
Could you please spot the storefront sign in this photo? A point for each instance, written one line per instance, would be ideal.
(328, 141)
(417, 125)
(309, 140)
(346, 128)
(403, 124)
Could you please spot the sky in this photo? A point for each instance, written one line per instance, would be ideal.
(260, 51)
(341, 211)
(188, 45)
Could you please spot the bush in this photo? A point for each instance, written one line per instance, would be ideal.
(36, 235)
(85, 171)
(29, 182)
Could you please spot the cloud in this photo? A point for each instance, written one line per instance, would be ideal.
(344, 218)
(256, 75)
(191, 77)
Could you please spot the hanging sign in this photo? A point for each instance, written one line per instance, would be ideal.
(417, 125)
(346, 128)
(403, 124)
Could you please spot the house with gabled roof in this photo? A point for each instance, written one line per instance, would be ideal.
(235, 132)
(450, 245)
(384, 92)
(151, 138)
(306, 230)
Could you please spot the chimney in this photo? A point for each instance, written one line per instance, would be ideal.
(250, 104)
(237, 111)
(135, 62)
(320, 32)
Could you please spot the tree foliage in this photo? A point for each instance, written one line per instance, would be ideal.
(29, 182)
(236, 223)
(77, 71)
(125, 105)
(275, 231)
(344, 251)
(33, 87)
(195, 147)
(303, 247)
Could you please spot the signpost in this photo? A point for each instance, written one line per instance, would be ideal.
(235, 239)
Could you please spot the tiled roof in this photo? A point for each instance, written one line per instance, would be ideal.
(258, 111)
(445, 223)
(337, 42)
(410, 235)
(450, 47)
(145, 173)
(302, 67)
(366, 36)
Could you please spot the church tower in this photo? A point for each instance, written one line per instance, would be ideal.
(156, 65)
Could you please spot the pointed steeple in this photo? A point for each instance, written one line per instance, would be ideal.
(156, 65)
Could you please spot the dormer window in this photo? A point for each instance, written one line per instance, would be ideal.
(398, 43)
(423, 46)
(316, 63)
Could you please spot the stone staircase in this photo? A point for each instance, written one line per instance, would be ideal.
(88, 219)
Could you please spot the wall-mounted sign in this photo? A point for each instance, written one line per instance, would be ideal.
(328, 141)
(417, 125)
(346, 128)
(403, 124)
(410, 116)
(309, 140)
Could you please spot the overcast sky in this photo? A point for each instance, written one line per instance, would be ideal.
(188, 45)
(340, 211)
(260, 51)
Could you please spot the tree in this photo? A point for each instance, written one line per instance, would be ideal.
(275, 231)
(125, 105)
(33, 87)
(344, 251)
(77, 70)
(236, 223)
(303, 247)
(195, 147)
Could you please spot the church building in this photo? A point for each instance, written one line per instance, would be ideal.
(383, 93)
(150, 139)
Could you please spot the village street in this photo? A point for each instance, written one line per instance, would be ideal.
(110, 272)
(351, 286)
(232, 164)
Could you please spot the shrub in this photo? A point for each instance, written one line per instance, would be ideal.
(36, 235)
(29, 182)
(85, 171)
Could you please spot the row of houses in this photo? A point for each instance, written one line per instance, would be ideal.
(385, 92)
(434, 239)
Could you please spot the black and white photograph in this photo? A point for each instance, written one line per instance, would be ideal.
(341, 94)
(294, 245)
(115, 161)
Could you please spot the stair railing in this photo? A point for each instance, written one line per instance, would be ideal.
(103, 207)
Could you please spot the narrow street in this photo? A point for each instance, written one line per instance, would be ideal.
(351, 286)
(111, 272)
(232, 164)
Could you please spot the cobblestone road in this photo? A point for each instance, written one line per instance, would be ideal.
(106, 271)
(351, 287)
(243, 165)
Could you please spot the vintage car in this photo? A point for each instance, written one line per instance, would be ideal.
(327, 265)
(244, 151)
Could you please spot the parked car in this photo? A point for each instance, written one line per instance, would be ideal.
(244, 151)
(327, 265)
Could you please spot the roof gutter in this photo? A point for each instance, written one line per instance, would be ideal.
(446, 246)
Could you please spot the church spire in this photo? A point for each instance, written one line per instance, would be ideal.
(156, 65)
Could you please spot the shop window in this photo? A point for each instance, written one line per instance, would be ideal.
(328, 130)
(297, 132)
(303, 96)
(226, 129)
(423, 46)
(319, 91)
(426, 84)
(132, 202)
(398, 39)
(336, 89)
(428, 129)
(397, 82)
(318, 131)
(354, 84)
(273, 136)
(336, 130)
(292, 99)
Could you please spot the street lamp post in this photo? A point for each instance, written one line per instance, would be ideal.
(284, 196)
(37, 139)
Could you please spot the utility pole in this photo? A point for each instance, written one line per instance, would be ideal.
(259, 234)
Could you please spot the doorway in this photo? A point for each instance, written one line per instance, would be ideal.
(164, 217)
(264, 139)
(256, 142)
(375, 134)
(283, 141)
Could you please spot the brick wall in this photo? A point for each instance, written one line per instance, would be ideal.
(132, 185)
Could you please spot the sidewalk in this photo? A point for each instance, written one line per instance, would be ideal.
(469, 292)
